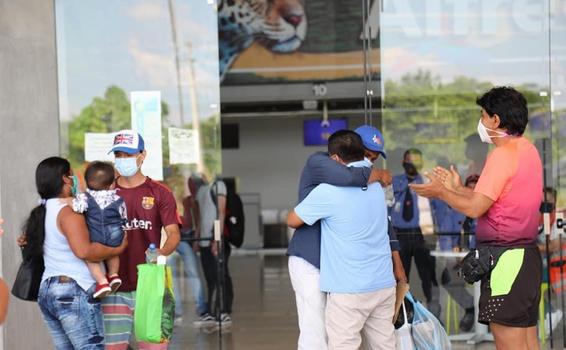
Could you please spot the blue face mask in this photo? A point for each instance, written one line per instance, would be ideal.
(75, 186)
(127, 166)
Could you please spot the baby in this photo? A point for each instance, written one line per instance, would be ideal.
(105, 214)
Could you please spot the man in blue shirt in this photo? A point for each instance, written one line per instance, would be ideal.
(374, 147)
(304, 247)
(405, 217)
(356, 266)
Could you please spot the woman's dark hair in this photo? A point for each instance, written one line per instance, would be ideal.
(511, 107)
(49, 182)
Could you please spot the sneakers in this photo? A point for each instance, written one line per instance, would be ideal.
(205, 320)
(101, 290)
(115, 282)
(225, 319)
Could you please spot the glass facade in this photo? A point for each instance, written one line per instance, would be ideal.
(429, 61)
(114, 51)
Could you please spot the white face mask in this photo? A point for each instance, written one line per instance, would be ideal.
(484, 135)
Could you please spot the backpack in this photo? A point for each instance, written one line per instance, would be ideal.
(234, 221)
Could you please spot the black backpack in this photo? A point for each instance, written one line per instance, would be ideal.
(234, 221)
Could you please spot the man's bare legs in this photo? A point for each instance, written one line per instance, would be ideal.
(514, 338)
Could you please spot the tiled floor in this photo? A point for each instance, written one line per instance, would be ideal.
(264, 315)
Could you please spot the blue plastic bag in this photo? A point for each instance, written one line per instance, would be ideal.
(428, 333)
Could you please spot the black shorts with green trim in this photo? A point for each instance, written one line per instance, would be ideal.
(510, 294)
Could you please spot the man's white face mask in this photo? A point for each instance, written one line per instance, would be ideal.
(484, 135)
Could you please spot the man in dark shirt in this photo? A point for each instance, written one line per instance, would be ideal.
(405, 216)
(304, 247)
(151, 208)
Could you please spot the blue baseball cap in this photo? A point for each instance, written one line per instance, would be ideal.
(128, 141)
(372, 139)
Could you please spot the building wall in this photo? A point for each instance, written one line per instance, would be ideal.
(270, 158)
(29, 131)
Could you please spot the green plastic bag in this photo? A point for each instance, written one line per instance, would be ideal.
(155, 304)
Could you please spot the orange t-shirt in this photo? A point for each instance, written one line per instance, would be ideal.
(512, 178)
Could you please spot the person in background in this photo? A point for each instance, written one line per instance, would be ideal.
(61, 236)
(405, 217)
(4, 294)
(151, 208)
(448, 226)
(470, 224)
(476, 151)
(506, 201)
(211, 198)
(374, 147)
(557, 277)
(187, 249)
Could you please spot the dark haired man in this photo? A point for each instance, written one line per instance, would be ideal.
(506, 201)
(374, 147)
(151, 207)
(304, 247)
(356, 266)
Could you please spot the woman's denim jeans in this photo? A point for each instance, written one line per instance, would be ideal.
(73, 317)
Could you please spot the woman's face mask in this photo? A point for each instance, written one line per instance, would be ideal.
(127, 166)
(75, 185)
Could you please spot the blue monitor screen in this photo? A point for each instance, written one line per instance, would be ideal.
(317, 134)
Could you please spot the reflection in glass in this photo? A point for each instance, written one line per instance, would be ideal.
(107, 50)
(437, 58)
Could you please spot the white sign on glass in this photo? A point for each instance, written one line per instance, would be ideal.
(146, 120)
(183, 146)
(97, 146)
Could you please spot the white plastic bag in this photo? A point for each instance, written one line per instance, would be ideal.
(428, 333)
(403, 334)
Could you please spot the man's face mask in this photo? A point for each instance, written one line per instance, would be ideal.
(410, 168)
(127, 166)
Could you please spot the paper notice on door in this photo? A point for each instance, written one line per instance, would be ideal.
(183, 146)
(97, 146)
(146, 120)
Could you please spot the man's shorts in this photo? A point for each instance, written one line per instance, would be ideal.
(510, 294)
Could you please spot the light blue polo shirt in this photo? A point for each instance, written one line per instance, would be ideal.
(355, 250)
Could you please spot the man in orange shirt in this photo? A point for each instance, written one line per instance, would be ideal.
(506, 201)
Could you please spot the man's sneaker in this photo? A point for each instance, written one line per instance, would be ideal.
(225, 319)
(115, 282)
(101, 290)
(205, 320)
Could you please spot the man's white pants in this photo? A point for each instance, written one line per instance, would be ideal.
(311, 303)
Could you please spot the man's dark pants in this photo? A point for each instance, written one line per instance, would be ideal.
(413, 245)
(209, 267)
